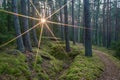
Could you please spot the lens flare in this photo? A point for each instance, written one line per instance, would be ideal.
(43, 20)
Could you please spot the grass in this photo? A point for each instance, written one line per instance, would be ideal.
(51, 61)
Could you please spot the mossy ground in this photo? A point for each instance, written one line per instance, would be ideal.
(51, 63)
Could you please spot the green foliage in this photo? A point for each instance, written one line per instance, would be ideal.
(5, 34)
(116, 46)
(3, 22)
(5, 37)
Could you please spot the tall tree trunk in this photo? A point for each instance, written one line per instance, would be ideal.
(73, 23)
(108, 23)
(66, 28)
(35, 40)
(20, 44)
(26, 37)
(61, 20)
(104, 25)
(79, 29)
(88, 43)
(116, 20)
(96, 22)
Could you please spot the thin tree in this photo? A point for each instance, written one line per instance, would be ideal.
(104, 28)
(61, 20)
(20, 44)
(116, 20)
(35, 40)
(66, 27)
(88, 43)
(73, 22)
(96, 22)
(26, 37)
(79, 30)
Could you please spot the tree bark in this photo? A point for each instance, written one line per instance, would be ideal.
(35, 40)
(66, 28)
(20, 44)
(73, 29)
(26, 37)
(61, 20)
(88, 43)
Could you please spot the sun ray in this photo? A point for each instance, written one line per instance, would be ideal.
(35, 8)
(39, 43)
(9, 12)
(18, 36)
(55, 38)
(58, 10)
(57, 23)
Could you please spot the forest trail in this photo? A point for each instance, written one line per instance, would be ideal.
(111, 70)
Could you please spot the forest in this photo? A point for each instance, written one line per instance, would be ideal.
(59, 40)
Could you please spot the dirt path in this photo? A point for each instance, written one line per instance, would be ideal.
(111, 70)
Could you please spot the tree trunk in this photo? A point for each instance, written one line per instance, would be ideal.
(88, 44)
(20, 44)
(35, 40)
(96, 22)
(116, 21)
(79, 29)
(73, 22)
(104, 27)
(61, 20)
(66, 28)
(26, 37)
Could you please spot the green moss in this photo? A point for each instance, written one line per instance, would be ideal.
(14, 66)
(58, 51)
(88, 68)
(49, 64)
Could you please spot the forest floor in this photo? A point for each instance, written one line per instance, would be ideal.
(111, 72)
(52, 63)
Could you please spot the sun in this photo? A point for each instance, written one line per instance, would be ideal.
(43, 20)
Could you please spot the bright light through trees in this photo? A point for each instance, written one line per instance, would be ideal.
(43, 20)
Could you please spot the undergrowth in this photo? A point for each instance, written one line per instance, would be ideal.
(50, 61)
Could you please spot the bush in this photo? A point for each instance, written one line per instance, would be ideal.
(116, 47)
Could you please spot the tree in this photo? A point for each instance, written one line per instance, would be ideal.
(79, 30)
(20, 44)
(108, 23)
(26, 37)
(66, 27)
(116, 20)
(73, 22)
(88, 44)
(35, 40)
(61, 20)
(103, 29)
(96, 22)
